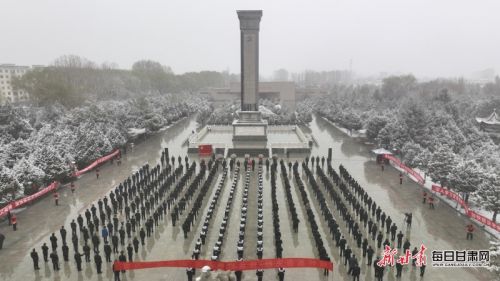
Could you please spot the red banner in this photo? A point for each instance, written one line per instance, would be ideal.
(205, 149)
(229, 265)
(53, 185)
(470, 213)
(28, 199)
(407, 169)
(97, 162)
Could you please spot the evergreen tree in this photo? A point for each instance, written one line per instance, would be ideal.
(441, 164)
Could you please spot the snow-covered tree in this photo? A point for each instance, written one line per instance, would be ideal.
(489, 193)
(374, 125)
(465, 177)
(441, 164)
(411, 151)
(28, 174)
(51, 163)
(9, 186)
(90, 144)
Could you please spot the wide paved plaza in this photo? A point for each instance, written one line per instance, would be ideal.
(440, 228)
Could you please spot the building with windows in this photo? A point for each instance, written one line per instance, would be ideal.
(7, 92)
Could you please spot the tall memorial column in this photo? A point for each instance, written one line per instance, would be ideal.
(249, 37)
(249, 126)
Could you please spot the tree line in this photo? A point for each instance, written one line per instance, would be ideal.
(72, 80)
(431, 126)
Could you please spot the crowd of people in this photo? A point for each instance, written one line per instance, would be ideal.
(124, 218)
(115, 226)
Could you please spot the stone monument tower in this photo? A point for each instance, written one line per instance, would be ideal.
(249, 126)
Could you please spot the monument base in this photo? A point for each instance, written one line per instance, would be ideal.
(249, 127)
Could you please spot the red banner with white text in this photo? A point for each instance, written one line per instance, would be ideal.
(97, 162)
(470, 213)
(407, 169)
(28, 199)
(229, 265)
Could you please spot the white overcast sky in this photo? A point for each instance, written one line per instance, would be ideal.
(424, 37)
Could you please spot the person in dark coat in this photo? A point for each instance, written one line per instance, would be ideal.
(370, 252)
(130, 251)
(114, 241)
(260, 274)
(422, 270)
(55, 260)
(78, 260)
(142, 234)
(65, 251)
(190, 273)
(86, 252)
(122, 258)
(135, 242)
(53, 241)
(62, 231)
(356, 271)
(45, 252)
(107, 252)
(98, 262)
(399, 269)
(281, 274)
(34, 257)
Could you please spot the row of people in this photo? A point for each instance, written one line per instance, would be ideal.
(289, 198)
(193, 213)
(217, 249)
(323, 255)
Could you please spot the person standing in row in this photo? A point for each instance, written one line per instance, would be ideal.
(55, 260)
(98, 262)
(34, 257)
(45, 252)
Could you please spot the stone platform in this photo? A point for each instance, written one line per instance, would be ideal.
(280, 140)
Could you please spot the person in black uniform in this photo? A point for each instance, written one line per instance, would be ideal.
(63, 234)
(78, 260)
(122, 258)
(130, 251)
(107, 252)
(98, 262)
(45, 252)
(55, 260)
(399, 269)
(53, 241)
(142, 234)
(86, 252)
(135, 242)
(114, 241)
(34, 257)
(281, 274)
(370, 252)
(190, 273)
(65, 251)
(260, 274)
